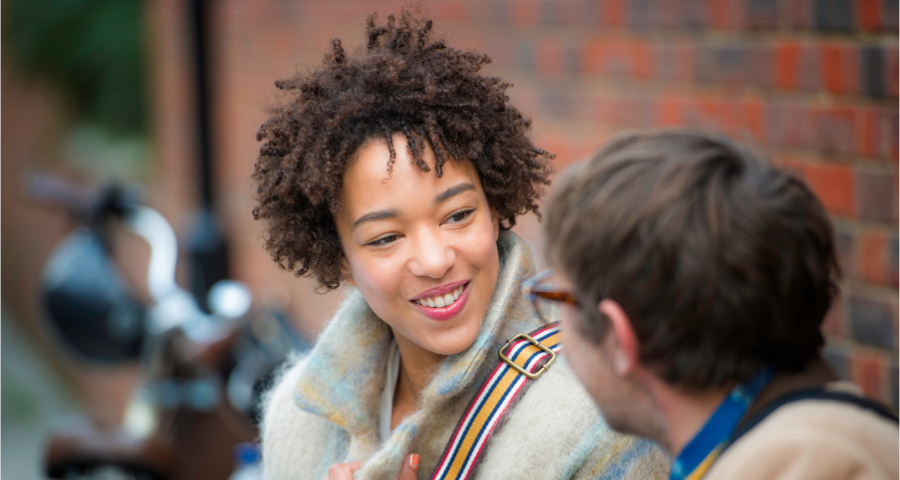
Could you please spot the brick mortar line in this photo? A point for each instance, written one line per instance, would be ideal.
(863, 224)
(856, 286)
(870, 164)
(772, 152)
(819, 159)
(849, 343)
(601, 82)
(743, 92)
(505, 29)
(666, 33)
(857, 226)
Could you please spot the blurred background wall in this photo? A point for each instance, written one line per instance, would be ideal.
(103, 91)
(812, 83)
(76, 103)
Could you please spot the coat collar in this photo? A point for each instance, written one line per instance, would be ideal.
(344, 374)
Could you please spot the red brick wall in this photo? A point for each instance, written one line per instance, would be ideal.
(813, 83)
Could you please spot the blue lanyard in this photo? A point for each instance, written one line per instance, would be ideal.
(704, 448)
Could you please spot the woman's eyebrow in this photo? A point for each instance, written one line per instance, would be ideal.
(452, 191)
(377, 215)
(394, 213)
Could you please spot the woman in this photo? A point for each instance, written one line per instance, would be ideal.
(399, 170)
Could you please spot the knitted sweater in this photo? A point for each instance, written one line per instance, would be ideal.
(324, 408)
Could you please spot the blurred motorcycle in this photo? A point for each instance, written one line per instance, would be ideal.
(202, 372)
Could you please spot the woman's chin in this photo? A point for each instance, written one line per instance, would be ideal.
(450, 350)
(452, 345)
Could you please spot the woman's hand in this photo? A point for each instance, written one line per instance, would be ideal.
(345, 471)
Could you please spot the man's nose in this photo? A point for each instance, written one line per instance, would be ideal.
(432, 256)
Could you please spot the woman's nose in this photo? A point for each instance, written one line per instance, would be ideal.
(432, 256)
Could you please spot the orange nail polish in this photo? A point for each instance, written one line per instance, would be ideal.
(414, 461)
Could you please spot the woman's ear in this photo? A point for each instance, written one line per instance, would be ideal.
(495, 220)
(345, 271)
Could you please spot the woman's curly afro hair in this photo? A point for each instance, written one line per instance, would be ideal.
(403, 81)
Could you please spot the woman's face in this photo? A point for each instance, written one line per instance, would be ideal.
(421, 249)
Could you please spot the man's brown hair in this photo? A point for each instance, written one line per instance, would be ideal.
(722, 263)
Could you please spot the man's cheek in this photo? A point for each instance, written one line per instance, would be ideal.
(575, 355)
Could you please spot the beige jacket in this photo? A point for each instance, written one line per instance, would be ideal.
(324, 409)
(814, 439)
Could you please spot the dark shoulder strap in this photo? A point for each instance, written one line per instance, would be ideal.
(811, 394)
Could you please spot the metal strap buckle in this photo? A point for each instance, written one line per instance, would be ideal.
(536, 344)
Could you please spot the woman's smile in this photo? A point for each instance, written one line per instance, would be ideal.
(445, 302)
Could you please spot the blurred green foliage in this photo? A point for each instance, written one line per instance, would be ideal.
(94, 49)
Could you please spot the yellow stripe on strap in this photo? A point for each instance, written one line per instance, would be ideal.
(489, 406)
(707, 462)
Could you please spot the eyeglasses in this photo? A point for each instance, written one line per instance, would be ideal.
(538, 290)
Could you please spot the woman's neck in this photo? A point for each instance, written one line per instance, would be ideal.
(417, 365)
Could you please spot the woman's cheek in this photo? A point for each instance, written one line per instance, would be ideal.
(377, 277)
(481, 245)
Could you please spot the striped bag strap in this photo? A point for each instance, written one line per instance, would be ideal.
(522, 359)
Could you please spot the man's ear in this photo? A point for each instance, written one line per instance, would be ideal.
(495, 220)
(625, 353)
(345, 271)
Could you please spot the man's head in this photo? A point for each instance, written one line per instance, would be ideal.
(719, 263)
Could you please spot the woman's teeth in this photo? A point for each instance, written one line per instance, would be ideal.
(440, 301)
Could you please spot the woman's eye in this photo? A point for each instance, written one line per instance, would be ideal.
(460, 216)
(383, 241)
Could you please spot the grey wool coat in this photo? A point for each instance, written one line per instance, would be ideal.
(324, 408)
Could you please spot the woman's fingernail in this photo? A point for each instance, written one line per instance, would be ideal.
(414, 461)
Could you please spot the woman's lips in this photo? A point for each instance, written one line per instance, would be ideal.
(449, 311)
(443, 289)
